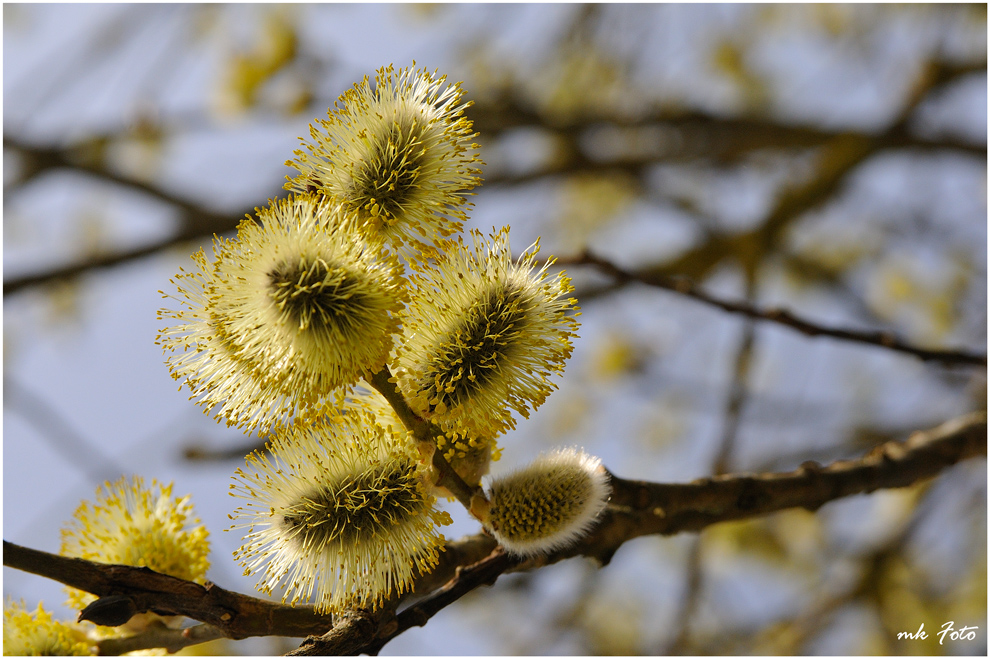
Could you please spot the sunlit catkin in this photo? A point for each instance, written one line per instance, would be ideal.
(38, 634)
(339, 512)
(483, 336)
(549, 504)
(130, 523)
(294, 308)
(398, 155)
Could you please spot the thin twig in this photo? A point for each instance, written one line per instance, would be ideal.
(484, 572)
(694, 568)
(196, 222)
(506, 113)
(202, 453)
(686, 287)
(172, 640)
(426, 432)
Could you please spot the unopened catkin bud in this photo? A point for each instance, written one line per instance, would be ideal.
(549, 504)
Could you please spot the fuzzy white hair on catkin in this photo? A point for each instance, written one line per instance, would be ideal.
(549, 504)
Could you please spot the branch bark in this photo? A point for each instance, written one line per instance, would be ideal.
(640, 508)
(235, 615)
(172, 640)
(637, 508)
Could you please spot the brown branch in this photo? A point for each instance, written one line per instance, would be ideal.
(735, 135)
(642, 508)
(637, 508)
(839, 158)
(352, 632)
(235, 615)
(719, 138)
(466, 579)
(686, 287)
(693, 568)
(172, 640)
(84, 157)
(700, 134)
(203, 453)
(367, 633)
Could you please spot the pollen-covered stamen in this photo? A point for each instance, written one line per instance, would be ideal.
(357, 509)
(38, 634)
(397, 154)
(132, 524)
(474, 351)
(382, 183)
(317, 295)
(339, 511)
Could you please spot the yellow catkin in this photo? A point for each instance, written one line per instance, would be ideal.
(398, 155)
(339, 512)
(38, 634)
(129, 523)
(483, 336)
(289, 314)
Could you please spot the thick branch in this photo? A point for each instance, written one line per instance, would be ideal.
(235, 615)
(686, 287)
(641, 508)
(352, 632)
(637, 508)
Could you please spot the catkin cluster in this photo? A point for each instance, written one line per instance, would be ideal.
(357, 327)
(383, 356)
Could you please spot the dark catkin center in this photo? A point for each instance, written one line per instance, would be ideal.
(473, 352)
(356, 508)
(317, 295)
(389, 175)
(542, 508)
